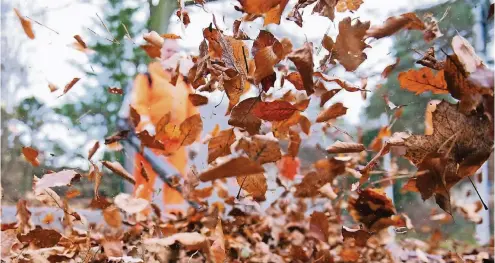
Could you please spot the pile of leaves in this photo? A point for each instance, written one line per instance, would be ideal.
(458, 139)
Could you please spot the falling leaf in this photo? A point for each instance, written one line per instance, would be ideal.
(471, 212)
(305, 124)
(220, 144)
(318, 226)
(40, 238)
(115, 90)
(112, 246)
(242, 116)
(48, 219)
(296, 80)
(342, 83)
(254, 184)
(294, 143)
(129, 204)
(260, 149)
(345, 147)
(72, 193)
(360, 236)
(372, 208)
(26, 24)
(170, 36)
(332, 112)
(395, 23)
(423, 80)
(151, 50)
(63, 178)
(288, 166)
(273, 111)
(327, 170)
(327, 96)
(31, 155)
(119, 170)
(80, 41)
(149, 141)
(190, 129)
(234, 167)
(303, 60)
(197, 100)
(154, 39)
(93, 149)
(112, 216)
(388, 69)
(120, 135)
(348, 5)
(52, 87)
(70, 85)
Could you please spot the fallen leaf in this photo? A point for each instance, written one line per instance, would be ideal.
(423, 80)
(359, 236)
(305, 124)
(254, 184)
(120, 135)
(220, 144)
(242, 116)
(345, 147)
(93, 149)
(129, 204)
(154, 39)
(296, 80)
(117, 168)
(294, 143)
(325, 8)
(112, 246)
(303, 60)
(40, 238)
(319, 226)
(63, 178)
(332, 112)
(217, 249)
(190, 129)
(197, 100)
(31, 155)
(273, 111)
(151, 50)
(234, 167)
(26, 24)
(185, 238)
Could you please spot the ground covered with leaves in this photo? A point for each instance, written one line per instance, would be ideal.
(458, 139)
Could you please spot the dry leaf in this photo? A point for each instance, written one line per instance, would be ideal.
(294, 143)
(288, 166)
(80, 41)
(423, 80)
(93, 149)
(70, 85)
(388, 69)
(318, 226)
(303, 60)
(220, 144)
(327, 191)
(31, 155)
(348, 5)
(197, 100)
(120, 135)
(242, 116)
(130, 204)
(234, 167)
(26, 24)
(273, 111)
(40, 238)
(349, 46)
(154, 39)
(63, 178)
(119, 170)
(296, 80)
(327, 96)
(345, 147)
(254, 184)
(151, 50)
(115, 90)
(52, 87)
(170, 36)
(112, 216)
(48, 219)
(72, 193)
(360, 236)
(260, 149)
(372, 208)
(134, 116)
(190, 129)
(332, 112)
(394, 24)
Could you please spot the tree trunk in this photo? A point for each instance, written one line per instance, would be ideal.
(160, 15)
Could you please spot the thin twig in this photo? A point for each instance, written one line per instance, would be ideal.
(105, 26)
(43, 25)
(245, 59)
(476, 189)
(96, 34)
(127, 33)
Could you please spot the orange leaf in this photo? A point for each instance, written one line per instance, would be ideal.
(254, 184)
(288, 166)
(26, 24)
(197, 100)
(190, 129)
(395, 23)
(319, 226)
(360, 236)
(234, 167)
(48, 219)
(327, 96)
(80, 41)
(170, 36)
(70, 85)
(303, 60)
(296, 80)
(219, 145)
(423, 80)
(273, 111)
(242, 116)
(345, 5)
(332, 112)
(112, 216)
(72, 193)
(31, 155)
(151, 50)
(93, 149)
(388, 69)
(52, 87)
(305, 124)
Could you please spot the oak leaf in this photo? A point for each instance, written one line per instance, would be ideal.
(190, 129)
(40, 238)
(348, 5)
(372, 208)
(423, 80)
(349, 45)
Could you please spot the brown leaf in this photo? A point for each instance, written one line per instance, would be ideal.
(72, 193)
(258, 6)
(326, 8)
(288, 167)
(345, 147)
(31, 155)
(305, 124)
(220, 144)
(349, 46)
(120, 135)
(327, 170)
(80, 41)
(63, 178)
(239, 166)
(260, 149)
(149, 141)
(332, 112)
(112, 246)
(303, 60)
(130, 204)
(134, 116)
(40, 238)
(254, 184)
(296, 80)
(154, 39)
(197, 100)
(238, 33)
(319, 226)
(395, 23)
(294, 143)
(242, 116)
(112, 216)
(117, 168)
(70, 85)
(423, 80)
(190, 130)
(348, 5)
(151, 50)
(273, 15)
(273, 111)
(360, 236)
(93, 149)
(342, 83)
(372, 208)
(26, 24)
(388, 69)
(52, 87)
